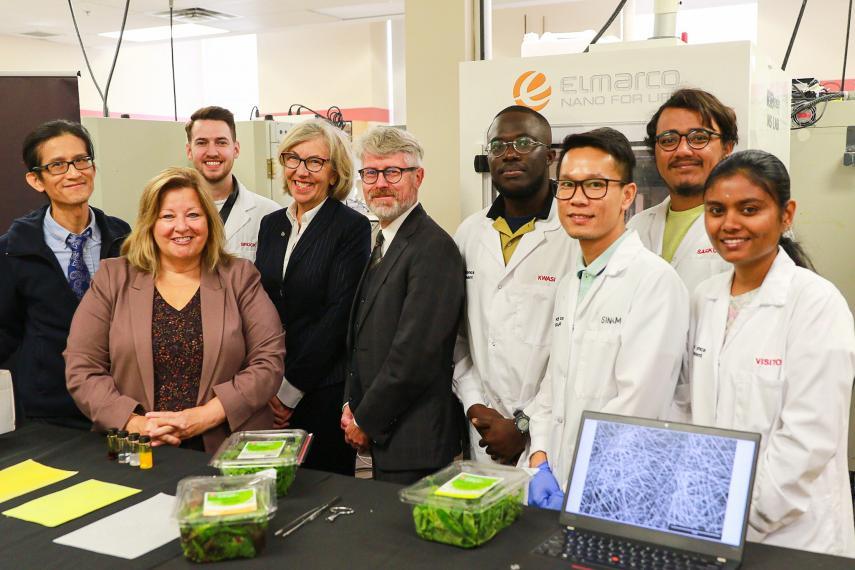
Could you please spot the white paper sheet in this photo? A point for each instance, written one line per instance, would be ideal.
(129, 533)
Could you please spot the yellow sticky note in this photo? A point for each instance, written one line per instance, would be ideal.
(68, 504)
(28, 476)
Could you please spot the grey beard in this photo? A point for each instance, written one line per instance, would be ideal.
(688, 190)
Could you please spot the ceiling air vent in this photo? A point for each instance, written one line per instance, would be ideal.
(196, 15)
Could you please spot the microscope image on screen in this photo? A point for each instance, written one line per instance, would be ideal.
(665, 480)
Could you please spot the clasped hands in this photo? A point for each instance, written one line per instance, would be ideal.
(499, 435)
(171, 428)
(353, 435)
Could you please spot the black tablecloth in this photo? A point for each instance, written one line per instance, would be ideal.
(379, 535)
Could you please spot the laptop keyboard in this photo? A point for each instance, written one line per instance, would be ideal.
(612, 552)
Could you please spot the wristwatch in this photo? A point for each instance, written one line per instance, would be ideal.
(521, 421)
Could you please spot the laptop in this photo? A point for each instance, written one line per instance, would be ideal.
(651, 494)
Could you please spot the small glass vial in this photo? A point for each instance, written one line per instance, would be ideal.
(134, 450)
(122, 447)
(112, 454)
(146, 460)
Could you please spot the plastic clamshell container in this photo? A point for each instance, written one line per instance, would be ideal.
(221, 518)
(466, 522)
(246, 452)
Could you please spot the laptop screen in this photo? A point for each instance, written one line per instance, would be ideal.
(688, 484)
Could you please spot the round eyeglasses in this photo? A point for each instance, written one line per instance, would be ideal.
(313, 163)
(592, 188)
(392, 174)
(61, 166)
(695, 138)
(523, 145)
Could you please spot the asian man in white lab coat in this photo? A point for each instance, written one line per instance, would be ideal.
(620, 319)
(689, 134)
(212, 147)
(515, 252)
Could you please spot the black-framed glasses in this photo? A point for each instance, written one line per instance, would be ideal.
(695, 138)
(61, 166)
(392, 174)
(313, 163)
(592, 188)
(523, 145)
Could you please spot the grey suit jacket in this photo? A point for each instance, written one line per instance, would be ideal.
(401, 341)
(108, 359)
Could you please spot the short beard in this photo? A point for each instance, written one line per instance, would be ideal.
(521, 194)
(214, 180)
(391, 213)
(689, 190)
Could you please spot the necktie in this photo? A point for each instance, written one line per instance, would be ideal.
(377, 252)
(78, 273)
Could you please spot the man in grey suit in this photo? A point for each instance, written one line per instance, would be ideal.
(403, 324)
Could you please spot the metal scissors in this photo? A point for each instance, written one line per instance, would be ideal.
(339, 511)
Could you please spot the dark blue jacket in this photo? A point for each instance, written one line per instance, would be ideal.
(36, 307)
(315, 295)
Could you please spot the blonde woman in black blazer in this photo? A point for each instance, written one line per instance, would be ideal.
(311, 256)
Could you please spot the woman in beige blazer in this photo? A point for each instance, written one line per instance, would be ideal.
(176, 339)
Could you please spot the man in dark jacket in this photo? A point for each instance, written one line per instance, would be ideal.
(47, 259)
(398, 398)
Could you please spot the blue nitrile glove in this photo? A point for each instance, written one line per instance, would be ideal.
(543, 490)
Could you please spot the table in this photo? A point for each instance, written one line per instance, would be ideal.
(379, 535)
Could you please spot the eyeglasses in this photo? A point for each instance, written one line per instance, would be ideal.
(523, 145)
(592, 188)
(695, 138)
(313, 163)
(392, 174)
(61, 166)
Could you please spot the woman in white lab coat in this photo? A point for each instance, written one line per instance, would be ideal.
(772, 350)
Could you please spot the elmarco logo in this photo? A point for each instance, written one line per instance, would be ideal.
(532, 91)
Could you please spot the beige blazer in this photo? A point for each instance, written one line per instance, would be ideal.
(108, 359)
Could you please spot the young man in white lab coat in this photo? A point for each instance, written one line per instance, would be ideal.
(620, 319)
(515, 252)
(212, 147)
(689, 134)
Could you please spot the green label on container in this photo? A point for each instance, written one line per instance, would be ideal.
(261, 449)
(467, 486)
(218, 503)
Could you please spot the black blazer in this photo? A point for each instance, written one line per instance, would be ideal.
(314, 298)
(401, 341)
(36, 307)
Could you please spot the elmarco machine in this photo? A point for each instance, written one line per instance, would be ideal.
(621, 86)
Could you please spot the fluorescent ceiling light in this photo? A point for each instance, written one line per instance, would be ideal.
(160, 33)
(359, 11)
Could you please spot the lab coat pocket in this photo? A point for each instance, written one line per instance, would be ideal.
(596, 355)
(761, 397)
(533, 319)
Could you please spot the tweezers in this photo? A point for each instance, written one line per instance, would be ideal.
(306, 517)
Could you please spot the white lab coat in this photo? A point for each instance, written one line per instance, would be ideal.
(695, 259)
(503, 346)
(786, 372)
(617, 351)
(244, 221)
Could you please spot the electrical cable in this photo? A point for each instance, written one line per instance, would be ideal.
(115, 57)
(608, 23)
(793, 36)
(83, 49)
(846, 48)
(172, 57)
(334, 114)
